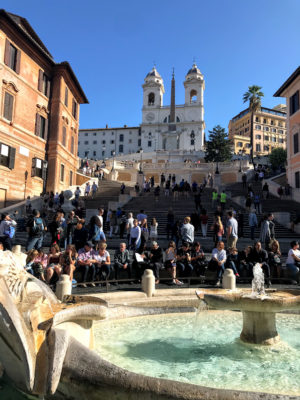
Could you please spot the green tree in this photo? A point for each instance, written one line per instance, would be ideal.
(278, 157)
(218, 147)
(253, 95)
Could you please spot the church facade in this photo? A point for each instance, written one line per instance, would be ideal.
(173, 127)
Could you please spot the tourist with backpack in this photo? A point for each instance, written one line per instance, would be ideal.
(35, 228)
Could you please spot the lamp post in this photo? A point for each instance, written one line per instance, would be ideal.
(217, 158)
(25, 181)
(141, 159)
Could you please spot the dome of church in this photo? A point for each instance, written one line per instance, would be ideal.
(194, 70)
(153, 73)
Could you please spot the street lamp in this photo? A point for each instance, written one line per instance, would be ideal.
(217, 158)
(141, 159)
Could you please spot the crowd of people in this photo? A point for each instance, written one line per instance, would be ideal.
(79, 248)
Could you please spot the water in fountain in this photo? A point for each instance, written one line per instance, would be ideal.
(258, 287)
(199, 313)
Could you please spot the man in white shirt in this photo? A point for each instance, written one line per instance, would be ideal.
(100, 217)
(231, 230)
(187, 231)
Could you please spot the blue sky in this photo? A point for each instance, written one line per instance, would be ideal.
(112, 45)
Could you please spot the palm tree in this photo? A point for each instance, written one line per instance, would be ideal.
(253, 95)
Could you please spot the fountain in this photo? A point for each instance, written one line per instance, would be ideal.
(46, 345)
(259, 310)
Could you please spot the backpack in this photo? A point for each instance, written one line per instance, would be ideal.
(10, 231)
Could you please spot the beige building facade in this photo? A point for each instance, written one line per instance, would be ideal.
(269, 130)
(291, 91)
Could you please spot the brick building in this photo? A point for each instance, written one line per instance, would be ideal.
(39, 115)
(290, 89)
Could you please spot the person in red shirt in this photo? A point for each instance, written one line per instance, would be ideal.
(204, 221)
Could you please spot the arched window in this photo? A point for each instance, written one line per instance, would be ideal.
(177, 119)
(192, 135)
(193, 96)
(151, 99)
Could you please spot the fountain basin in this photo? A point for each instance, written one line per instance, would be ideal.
(259, 312)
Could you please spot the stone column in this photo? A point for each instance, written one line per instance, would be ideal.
(259, 328)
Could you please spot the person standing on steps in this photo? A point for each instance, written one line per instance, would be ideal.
(265, 191)
(252, 223)
(244, 180)
(223, 197)
(231, 230)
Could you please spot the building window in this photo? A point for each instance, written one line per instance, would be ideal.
(7, 156)
(112, 152)
(67, 100)
(71, 178)
(94, 153)
(151, 99)
(258, 127)
(62, 172)
(130, 141)
(121, 137)
(112, 133)
(12, 57)
(95, 134)
(296, 143)
(74, 109)
(273, 130)
(274, 139)
(280, 140)
(39, 168)
(266, 138)
(257, 119)
(121, 148)
(267, 129)
(94, 141)
(8, 106)
(149, 143)
(192, 142)
(130, 133)
(139, 142)
(103, 153)
(103, 142)
(297, 180)
(294, 103)
(258, 137)
(246, 129)
(280, 131)
(86, 134)
(140, 133)
(266, 148)
(44, 83)
(72, 145)
(86, 153)
(272, 122)
(41, 126)
(248, 145)
(86, 142)
(112, 142)
(239, 144)
(64, 136)
(265, 120)
(258, 147)
(279, 123)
